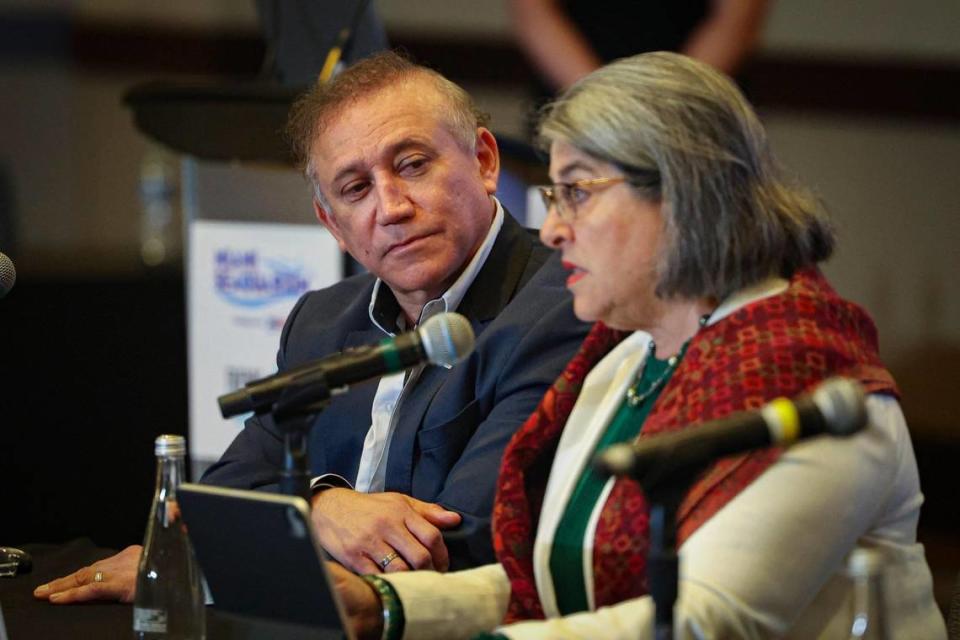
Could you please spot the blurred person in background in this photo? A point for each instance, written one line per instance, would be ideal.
(567, 39)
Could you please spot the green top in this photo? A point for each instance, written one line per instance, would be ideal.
(566, 556)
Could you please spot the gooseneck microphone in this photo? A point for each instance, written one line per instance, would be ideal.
(835, 407)
(8, 275)
(443, 339)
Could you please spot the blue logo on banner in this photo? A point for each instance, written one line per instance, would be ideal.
(247, 279)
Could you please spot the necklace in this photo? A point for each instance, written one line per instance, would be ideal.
(636, 397)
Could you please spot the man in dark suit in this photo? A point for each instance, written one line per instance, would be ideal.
(404, 173)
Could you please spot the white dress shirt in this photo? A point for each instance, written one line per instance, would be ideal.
(371, 474)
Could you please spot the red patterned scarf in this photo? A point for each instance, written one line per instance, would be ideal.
(781, 345)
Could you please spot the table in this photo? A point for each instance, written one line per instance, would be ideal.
(27, 618)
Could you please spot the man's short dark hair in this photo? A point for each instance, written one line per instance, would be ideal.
(312, 111)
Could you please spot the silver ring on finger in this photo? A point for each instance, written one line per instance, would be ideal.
(98, 576)
(387, 559)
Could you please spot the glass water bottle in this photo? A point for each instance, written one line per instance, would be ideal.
(169, 603)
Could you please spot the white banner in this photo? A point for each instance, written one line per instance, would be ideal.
(243, 280)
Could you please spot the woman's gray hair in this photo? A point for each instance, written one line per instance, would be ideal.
(687, 137)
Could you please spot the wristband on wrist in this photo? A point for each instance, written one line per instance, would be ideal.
(393, 620)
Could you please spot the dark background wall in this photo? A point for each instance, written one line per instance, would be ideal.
(92, 371)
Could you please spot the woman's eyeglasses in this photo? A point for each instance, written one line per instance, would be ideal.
(567, 196)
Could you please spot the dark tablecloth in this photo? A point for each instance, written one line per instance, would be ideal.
(27, 618)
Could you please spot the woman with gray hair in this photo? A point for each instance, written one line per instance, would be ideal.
(697, 261)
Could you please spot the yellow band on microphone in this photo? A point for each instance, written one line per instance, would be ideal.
(787, 418)
(330, 64)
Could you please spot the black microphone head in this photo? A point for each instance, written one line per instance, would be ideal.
(842, 403)
(8, 274)
(447, 338)
(236, 402)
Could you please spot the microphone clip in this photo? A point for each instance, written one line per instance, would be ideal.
(307, 395)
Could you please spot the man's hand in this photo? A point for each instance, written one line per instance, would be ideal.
(118, 581)
(361, 602)
(361, 530)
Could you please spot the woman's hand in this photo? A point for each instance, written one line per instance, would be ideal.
(360, 601)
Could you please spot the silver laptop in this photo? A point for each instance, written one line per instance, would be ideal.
(260, 557)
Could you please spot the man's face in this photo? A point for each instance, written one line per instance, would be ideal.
(406, 198)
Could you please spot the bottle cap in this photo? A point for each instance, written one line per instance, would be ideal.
(170, 445)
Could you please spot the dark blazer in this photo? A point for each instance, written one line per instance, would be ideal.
(452, 425)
